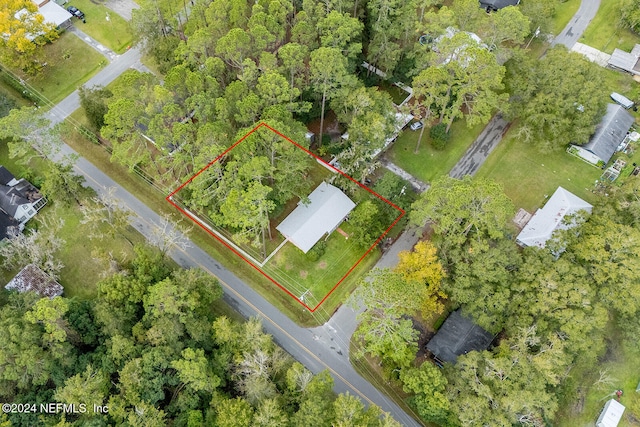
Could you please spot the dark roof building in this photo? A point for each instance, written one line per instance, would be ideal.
(494, 5)
(458, 335)
(19, 202)
(32, 279)
(610, 132)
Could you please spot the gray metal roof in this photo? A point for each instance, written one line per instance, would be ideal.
(31, 278)
(610, 132)
(611, 414)
(327, 208)
(541, 226)
(627, 61)
(457, 336)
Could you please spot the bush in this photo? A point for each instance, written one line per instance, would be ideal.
(439, 136)
(317, 251)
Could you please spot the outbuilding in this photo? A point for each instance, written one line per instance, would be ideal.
(611, 414)
(33, 279)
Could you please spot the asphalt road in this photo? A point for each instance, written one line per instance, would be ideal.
(578, 24)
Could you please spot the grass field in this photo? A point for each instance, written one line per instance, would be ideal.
(114, 33)
(71, 62)
(603, 32)
(430, 163)
(529, 176)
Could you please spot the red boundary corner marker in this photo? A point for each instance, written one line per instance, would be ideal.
(188, 215)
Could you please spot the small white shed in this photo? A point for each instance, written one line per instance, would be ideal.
(611, 414)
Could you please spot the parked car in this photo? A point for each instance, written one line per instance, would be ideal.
(416, 125)
(76, 12)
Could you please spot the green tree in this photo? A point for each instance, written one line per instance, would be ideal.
(61, 183)
(6, 104)
(559, 99)
(463, 209)
(428, 386)
(94, 102)
(233, 413)
(630, 15)
(90, 387)
(432, 94)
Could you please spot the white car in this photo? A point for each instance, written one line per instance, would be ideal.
(416, 125)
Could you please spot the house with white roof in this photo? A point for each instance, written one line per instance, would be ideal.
(551, 217)
(325, 210)
(611, 414)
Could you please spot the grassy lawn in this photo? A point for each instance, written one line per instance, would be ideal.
(430, 163)
(603, 32)
(621, 366)
(71, 62)
(529, 176)
(564, 13)
(297, 272)
(114, 33)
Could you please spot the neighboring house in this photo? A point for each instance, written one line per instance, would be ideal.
(626, 61)
(19, 202)
(33, 279)
(327, 207)
(494, 5)
(611, 414)
(609, 136)
(551, 217)
(52, 13)
(457, 336)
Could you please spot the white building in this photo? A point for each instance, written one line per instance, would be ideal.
(611, 414)
(327, 208)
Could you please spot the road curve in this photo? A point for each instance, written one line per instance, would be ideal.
(578, 24)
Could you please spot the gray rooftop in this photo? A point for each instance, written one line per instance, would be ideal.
(458, 335)
(32, 279)
(327, 208)
(498, 4)
(627, 61)
(610, 132)
(545, 221)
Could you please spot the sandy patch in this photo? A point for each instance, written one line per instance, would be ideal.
(304, 274)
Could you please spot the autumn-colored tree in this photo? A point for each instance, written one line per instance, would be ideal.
(23, 31)
(423, 266)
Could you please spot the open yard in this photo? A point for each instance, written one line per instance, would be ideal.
(70, 63)
(104, 25)
(603, 32)
(430, 163)
(528, 176)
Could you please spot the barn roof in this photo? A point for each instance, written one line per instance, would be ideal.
(31, 278)
(610, 132)
(458, 335)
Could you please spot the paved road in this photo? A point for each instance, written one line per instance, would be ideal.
(478, 152)
(578, 24)
(104, 51)
(108, 74)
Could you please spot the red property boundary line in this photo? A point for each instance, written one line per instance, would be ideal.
(197, 221)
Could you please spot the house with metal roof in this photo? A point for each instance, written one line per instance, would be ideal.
(611, 414)
(19, 202)
(626, 61)
(610, 134)
(553, 216)
(33, 279)
(458, 335)
(322, 212)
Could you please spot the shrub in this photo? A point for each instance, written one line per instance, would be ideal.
(439, 136)
(317, 251)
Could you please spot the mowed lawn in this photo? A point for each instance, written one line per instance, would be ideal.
(70, 63)
(114, 32)
(529, 176)
(296, 271)
(564, 13)
(603, 32)
(429, 163)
